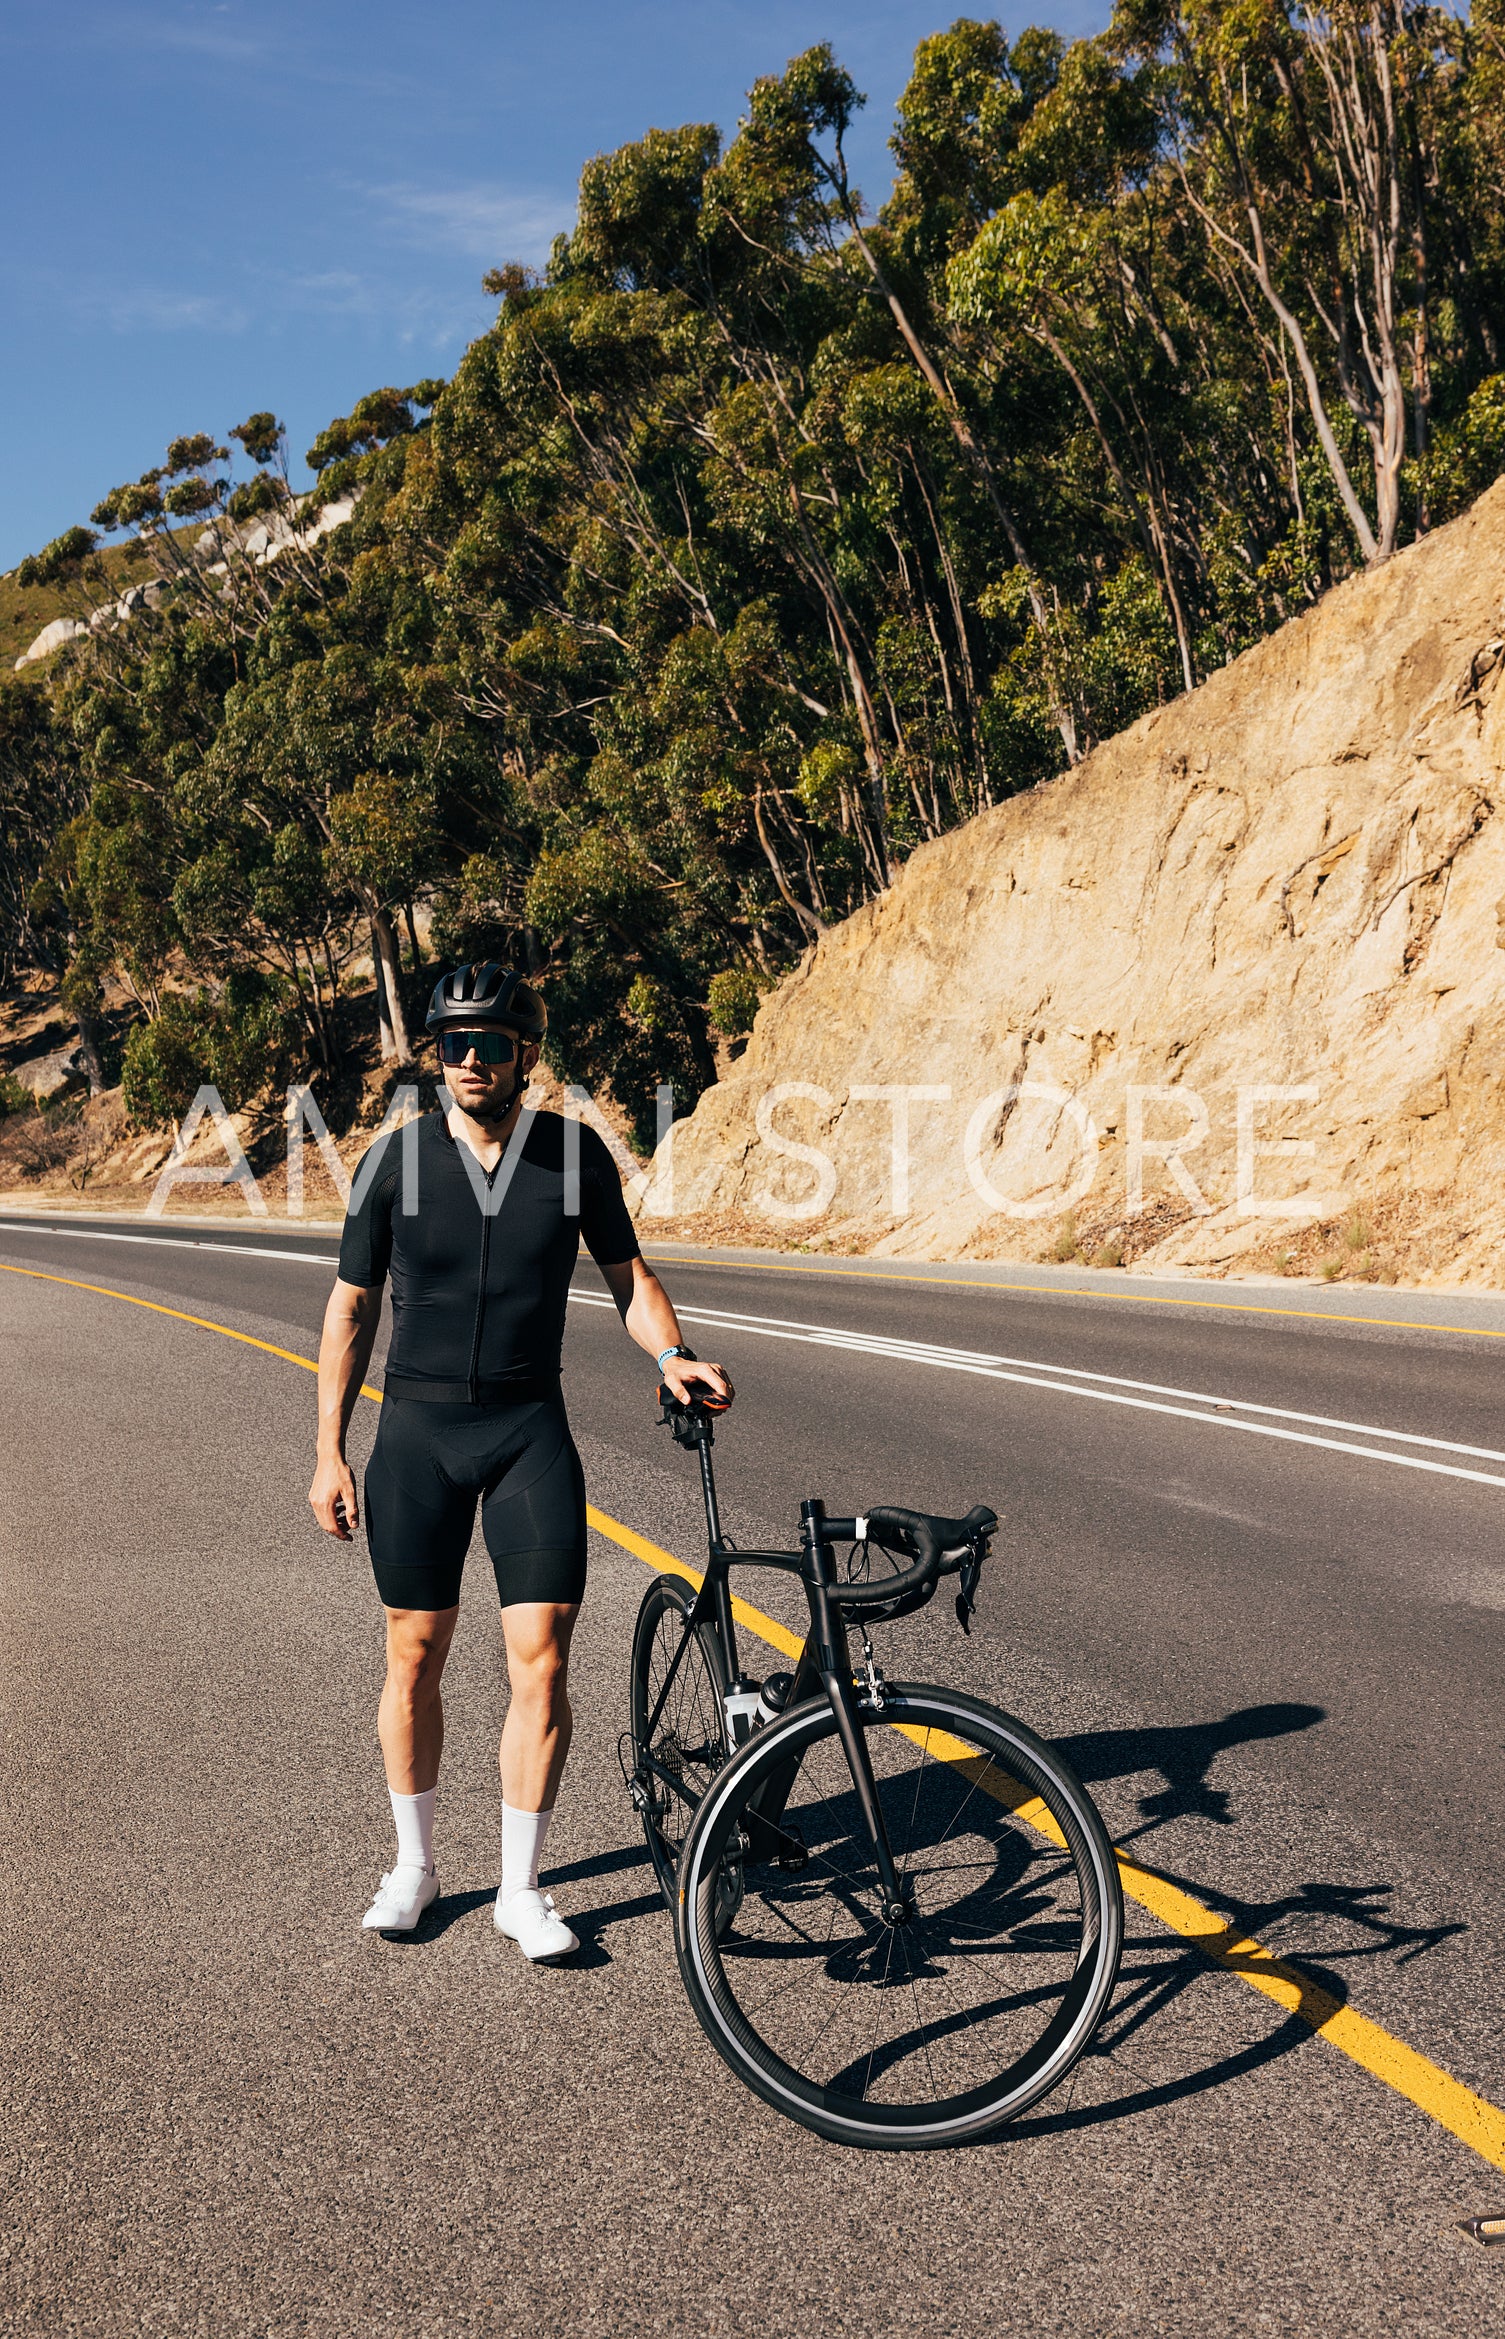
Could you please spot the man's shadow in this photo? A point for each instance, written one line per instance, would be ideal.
(1183, 1755)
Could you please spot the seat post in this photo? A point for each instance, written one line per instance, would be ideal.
(703, 1437)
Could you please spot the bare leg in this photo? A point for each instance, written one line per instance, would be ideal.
(410, 1717)
(536, 1734)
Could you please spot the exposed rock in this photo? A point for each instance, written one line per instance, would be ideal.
(51, 637)
(49, 1077)
(265, 541)
(1288, 879)
(131, 603)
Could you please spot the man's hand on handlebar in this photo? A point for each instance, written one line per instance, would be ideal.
(686, 1377)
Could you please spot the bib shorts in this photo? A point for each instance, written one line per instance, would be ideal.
(431, 1466)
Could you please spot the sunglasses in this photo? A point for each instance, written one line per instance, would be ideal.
(491, 1047)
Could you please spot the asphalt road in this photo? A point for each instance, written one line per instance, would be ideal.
(1276, 1658)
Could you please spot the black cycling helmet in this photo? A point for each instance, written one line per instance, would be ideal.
(488, 993)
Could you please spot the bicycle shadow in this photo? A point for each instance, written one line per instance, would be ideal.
(1289, 1926)
(1318, 1930)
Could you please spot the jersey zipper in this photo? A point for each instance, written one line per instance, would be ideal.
(475, 1345)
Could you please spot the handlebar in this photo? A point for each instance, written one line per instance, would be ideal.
(941, 1548)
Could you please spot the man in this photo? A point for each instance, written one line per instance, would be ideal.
(480, 1242)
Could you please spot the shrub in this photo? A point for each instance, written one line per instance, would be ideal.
(1465, 456)
(732, 1000)
(1066, 1243)
(13, 1097)
(238, 1043)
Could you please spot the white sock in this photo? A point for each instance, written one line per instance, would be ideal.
(414, 1815)
(522, 1841)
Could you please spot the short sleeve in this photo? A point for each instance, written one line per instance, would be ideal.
(605, 1221)
(366, 1240)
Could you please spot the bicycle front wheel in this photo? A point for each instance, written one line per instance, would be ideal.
(937, 2026)
(678, 1721)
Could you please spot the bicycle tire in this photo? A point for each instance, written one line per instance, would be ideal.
(690, 1738)
(1027, 1907)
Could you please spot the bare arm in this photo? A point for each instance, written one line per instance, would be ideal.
(648, 1313)
(345, 1345)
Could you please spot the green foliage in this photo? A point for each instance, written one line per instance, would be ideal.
(732, 1001)
(260, 434)
(239, 1043)
(1466, 455)
(761, 539)
(60, 561)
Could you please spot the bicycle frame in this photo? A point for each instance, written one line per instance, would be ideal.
(824, 1663)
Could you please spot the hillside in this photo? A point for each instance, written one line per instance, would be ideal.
(25, 609)
(1287, 879)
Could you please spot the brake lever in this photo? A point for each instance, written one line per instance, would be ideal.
(966, 1598)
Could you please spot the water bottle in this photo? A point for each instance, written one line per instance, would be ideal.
(741, 1703)
(774, 1696)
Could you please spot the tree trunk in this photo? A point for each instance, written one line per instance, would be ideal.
(977, 456)
(89, 1053)
(395, 1044)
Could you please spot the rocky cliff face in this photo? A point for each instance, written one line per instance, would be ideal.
(1286, 881)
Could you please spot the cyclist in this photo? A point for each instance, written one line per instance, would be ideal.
(480, 1238)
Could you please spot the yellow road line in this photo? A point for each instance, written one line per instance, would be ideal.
(269, 1347)
(1471, 2118)
(1146, 1299)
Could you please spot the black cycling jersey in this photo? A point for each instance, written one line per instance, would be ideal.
(481, 1262)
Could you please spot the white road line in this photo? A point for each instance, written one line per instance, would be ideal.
(929, 1352)
(164, 1242)
(1037, 1376)
(1107, 1388)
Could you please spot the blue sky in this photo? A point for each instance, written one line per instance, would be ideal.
(214, 206)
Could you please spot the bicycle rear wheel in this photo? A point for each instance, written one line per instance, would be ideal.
(673, 1762)
(936, 2029)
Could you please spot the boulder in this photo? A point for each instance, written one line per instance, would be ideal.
(51, 637)
(47, 1078)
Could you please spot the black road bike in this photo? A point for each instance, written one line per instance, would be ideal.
(897, 1911)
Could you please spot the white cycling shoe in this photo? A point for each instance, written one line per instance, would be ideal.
(401, 1900)
(532, 1921)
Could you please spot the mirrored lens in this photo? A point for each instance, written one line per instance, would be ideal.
(491, 1047)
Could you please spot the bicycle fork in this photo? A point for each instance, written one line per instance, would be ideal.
(835, 1667)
